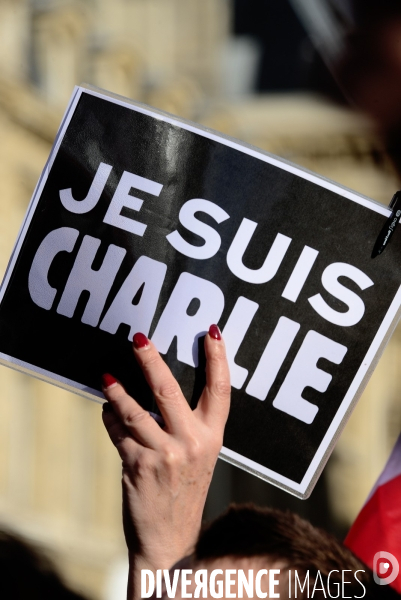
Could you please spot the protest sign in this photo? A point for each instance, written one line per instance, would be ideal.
(144, 222)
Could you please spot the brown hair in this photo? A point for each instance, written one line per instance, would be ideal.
(247, 531)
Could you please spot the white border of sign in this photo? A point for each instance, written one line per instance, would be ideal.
(387, 327)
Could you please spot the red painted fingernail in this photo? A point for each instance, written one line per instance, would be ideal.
(214, 332)
(108, 380)
(140, 341)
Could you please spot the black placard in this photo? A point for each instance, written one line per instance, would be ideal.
(279, 255)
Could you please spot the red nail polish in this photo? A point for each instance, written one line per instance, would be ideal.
(214, 332)
(140, 341)
(108, 380)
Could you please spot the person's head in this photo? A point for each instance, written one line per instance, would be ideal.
(370, 69)
(246, 538)
(25, 572)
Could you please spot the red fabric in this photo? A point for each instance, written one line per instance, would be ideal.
(378, 526)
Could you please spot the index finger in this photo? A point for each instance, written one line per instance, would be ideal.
(173, 406)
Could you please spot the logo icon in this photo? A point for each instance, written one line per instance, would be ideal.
(385, 568)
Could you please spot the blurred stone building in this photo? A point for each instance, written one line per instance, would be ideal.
(59, 475)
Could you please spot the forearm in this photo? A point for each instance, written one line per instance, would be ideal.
(165, 539)
(137, 564)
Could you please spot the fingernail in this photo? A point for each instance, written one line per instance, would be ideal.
(214, 332)
(107, 407)
(140, 341)
(108, 381)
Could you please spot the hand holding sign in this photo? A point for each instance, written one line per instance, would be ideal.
(167, 472)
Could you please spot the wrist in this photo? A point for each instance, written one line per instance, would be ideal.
(139, 561)
(163, 550)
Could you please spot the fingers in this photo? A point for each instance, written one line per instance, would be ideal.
(133, 418)
(127, 447)
(173, 406)
(214, 404)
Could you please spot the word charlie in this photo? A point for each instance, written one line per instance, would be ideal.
(233, 583)
(147, 277)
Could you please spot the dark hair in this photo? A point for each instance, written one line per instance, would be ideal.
(363, 52)
(369, 11)
(25, 572)
(247, 531)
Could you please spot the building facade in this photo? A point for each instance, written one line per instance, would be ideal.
(59, 475)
